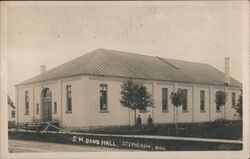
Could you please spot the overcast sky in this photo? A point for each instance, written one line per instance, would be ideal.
(203, 32)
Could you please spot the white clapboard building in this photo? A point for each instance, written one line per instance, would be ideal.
(85, 92)
(11, 111)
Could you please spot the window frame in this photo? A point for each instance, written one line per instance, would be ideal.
(186, 103)
(27, 107)
(233, 96)
(164, 104)
(202, 101)
(69, 98)
(55, 108)
(103, 88)
(37, 108)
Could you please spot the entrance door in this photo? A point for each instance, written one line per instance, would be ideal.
(46, 105)
(47, 115)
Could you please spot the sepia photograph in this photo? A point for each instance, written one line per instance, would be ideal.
(125, 79)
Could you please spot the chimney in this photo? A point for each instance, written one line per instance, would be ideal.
(43, 68)
(227, 70)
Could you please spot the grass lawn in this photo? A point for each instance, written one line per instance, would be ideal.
(216, 130)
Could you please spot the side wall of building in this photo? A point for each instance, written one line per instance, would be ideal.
(86, 103)
(116, 113)
(119, 115)
(79, 117)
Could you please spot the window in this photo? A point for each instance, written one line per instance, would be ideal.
(13, 114)
(26, 102)
(233, 99)
(143, 111)
(37, 108)
(69, 99)
(47, 93)
(164, 99)
(185, 106)
(55, 108)
(217, 108)
(103, 97)
(202, 100)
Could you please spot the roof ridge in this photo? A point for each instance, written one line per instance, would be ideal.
(134, 53)
(162, 59)
(124, 52)
(184, 61)
(94, 51)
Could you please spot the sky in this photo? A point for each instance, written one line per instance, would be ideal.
(54, 33)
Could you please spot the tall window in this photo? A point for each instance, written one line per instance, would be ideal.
(55, 107)
(185, 106)
(69, 98)
(26, 102)
(233, 99)
(37, 108)
(13, 114)
(103, 97)
(164, 99)
(217, 108)
(202, 100)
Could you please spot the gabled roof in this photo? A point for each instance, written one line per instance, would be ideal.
(10, 103)
(106, 62)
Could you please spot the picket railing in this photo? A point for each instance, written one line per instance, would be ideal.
(39, 126)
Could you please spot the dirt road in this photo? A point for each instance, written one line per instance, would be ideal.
(32, 146)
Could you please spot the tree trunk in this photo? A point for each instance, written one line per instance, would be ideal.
(177, 115)
(225, 112)
(177, 121)
(129, 123)
(135, 116)
(222, 110)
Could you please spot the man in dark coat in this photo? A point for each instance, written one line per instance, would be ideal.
(150, 121)
(138, 121)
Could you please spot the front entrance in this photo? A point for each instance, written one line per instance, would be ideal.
(46, 105)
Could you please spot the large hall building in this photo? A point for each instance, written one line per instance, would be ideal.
(85, 92)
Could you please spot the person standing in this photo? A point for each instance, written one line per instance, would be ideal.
(138, 121)
(150, 121)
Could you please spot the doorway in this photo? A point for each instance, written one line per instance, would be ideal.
(46, 105)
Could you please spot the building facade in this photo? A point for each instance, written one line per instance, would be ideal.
(85, 92)
(11, 111)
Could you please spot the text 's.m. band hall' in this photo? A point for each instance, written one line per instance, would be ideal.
(85, 92)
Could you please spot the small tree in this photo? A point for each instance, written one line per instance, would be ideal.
(177, 99)
(220, 99)
(239, 106)
(135, 96)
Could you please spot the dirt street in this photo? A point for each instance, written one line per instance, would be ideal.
(16, 146)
